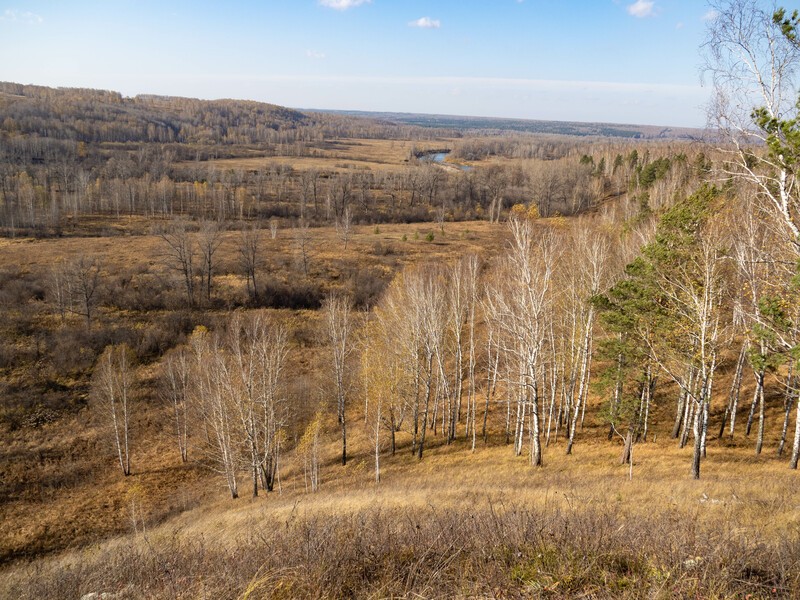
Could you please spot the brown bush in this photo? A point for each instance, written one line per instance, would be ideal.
(489, 551)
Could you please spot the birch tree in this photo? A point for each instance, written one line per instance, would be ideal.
(752, 58)
(176, 375)
(520, 306)
(336, 309)
(112, 385)
(214, 406)
(590, 263)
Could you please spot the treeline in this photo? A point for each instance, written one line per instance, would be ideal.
(48, 198)
(95, 116)
(70, 153)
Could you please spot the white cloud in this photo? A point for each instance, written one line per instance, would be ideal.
(642, 8)
(18, 16)
(343, 4)
(426, 23)
(710, 15)
(315, 55)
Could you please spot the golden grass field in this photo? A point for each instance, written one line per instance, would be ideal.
(340, 156)
(753, 501)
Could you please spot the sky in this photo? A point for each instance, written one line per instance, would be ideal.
(614, 61)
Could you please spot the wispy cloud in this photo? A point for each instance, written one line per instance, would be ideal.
(315, 55)
(642, 8)
(18, 16)
(710, 15)
(343, 4)
(426, 23)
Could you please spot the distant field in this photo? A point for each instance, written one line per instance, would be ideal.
(341, 155)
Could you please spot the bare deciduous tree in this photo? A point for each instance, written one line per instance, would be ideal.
(181, 252)
(112, 386)
(176, 377)
(209, 239)
(752, 65)
(250, 258)
(84, 283)
(338, 325)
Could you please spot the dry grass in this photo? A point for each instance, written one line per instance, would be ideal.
(467, 525)
(325, 247)
(457, 524)
(340, 156)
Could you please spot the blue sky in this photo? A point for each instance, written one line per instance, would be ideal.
(620, 61)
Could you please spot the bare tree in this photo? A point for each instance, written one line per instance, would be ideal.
(308, 448)
(213, 403)
(752, 64)
(59, 290)
(84, 283)
(176, 377)
(250, 242)
(591, 258)
(209, 239)
(520, 306)
(344, 226)
(112, 385)
(181, 252)
(302, 240)
(336, 309)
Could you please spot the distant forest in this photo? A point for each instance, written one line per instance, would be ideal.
(70, 153)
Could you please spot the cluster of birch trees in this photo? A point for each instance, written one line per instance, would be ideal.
(227, 388)
(456, 350)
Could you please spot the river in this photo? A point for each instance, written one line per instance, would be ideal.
(439, 158)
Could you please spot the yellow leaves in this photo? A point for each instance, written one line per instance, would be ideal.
(559, 221)
(200, 331)
(525, 211)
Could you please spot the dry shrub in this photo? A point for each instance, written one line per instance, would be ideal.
(366, 285)
(488, 551)
(298, 294)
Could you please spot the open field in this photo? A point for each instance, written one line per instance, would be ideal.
(341, 156)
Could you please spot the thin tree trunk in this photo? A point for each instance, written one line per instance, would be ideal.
(733, 396)
(536, 442)
(696, 456)
(753, 404)
(796, 445)
(588, 379)
(615, 399)
(627, 448)
(679, 414)
(584, 368)
(428, 391)
(787, 409)
(688, 413)
(491, 383)
(761, 411)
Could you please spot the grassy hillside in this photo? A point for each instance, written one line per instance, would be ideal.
(164, 252)
(458, 523)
